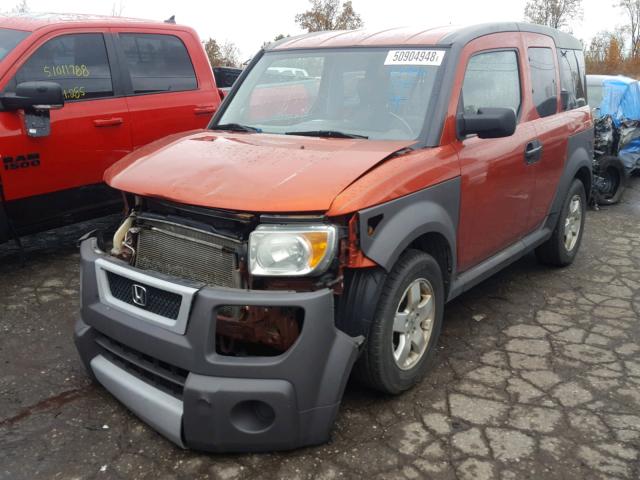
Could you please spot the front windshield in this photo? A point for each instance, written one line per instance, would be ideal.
(377, 93)
(9, 39)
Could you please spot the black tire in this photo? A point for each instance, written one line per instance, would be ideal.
(554, 251)
(376, 367)
(614, 179)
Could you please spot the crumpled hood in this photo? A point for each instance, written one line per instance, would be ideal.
(248, 172)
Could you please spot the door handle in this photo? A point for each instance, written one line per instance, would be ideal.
(533, 151)
(204, 109)
(108, 122)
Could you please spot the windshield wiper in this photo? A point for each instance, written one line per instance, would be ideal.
(237, 127)
(326, 134)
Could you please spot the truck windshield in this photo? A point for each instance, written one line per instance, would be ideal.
(376, 93)
(9, 39)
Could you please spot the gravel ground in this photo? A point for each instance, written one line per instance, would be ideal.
(537, 376)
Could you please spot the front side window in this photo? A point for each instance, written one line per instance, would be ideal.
(543, 80)
(492, 80)
(378, 93)
(77, 62)
(158, 63)
(9, 39)
(571, 80)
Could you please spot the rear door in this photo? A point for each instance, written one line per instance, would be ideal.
(169, 90)
(87, 135)
(560, 112)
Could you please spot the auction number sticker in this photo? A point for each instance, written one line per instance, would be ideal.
(414, 57)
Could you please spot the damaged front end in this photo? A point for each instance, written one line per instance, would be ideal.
(211, 247)
(201, 312)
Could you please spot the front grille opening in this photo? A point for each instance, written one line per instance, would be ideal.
(162, 375)
(262, 331)
(189, 253)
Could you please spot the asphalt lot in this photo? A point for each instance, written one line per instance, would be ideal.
(537, 376)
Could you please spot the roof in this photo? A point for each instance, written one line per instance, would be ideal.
(34, 21)
(436, 36)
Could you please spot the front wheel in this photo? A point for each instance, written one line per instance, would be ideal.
(561, 248)
(406, 325)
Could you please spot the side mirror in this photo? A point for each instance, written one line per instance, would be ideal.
(488, 123)
(223, 92)
(34, 96)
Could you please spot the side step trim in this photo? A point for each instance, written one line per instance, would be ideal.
(157, 408)
(491, 265)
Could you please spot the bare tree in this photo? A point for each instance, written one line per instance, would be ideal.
(230, 54)
(21, 7)
(225, 55)
(329, 15)
(117, 9)
(553, 13)
(632, 9)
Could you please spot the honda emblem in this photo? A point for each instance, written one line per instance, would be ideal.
(139, 295)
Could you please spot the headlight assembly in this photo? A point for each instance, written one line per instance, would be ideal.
(291, 250)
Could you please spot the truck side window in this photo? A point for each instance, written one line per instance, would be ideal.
(158, 63)
(543, 80)
(492, 80)
(78, 62)
(571, 80)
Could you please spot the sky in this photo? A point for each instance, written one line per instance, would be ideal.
(249, 23)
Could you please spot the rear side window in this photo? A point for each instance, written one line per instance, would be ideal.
(158, 63)
(492, 80)
(78, 62)
(543, 80)
(571, 80)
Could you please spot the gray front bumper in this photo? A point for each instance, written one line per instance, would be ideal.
(216, 411)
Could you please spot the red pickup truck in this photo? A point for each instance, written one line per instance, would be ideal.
(121, 83)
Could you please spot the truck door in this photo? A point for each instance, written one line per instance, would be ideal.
(91, 131)
(171, 88)
(497, 182)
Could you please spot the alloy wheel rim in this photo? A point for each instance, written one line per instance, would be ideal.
(573, 223)
(413, 323)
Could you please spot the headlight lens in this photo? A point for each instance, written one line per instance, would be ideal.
(291, 250)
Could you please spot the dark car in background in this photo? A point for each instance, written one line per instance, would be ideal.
(226, 77)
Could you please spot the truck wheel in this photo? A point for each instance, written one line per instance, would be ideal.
(613, 179)
(562, 247)
(406, 325)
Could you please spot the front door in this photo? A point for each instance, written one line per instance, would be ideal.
(496, 182)
(88, 134)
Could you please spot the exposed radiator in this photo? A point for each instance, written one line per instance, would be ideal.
(187, 253)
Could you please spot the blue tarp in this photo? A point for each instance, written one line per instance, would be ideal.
(621, 100)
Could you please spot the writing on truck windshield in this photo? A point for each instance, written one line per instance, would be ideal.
(9, 39)
(377, 93)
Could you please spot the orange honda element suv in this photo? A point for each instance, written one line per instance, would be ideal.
(351, 184)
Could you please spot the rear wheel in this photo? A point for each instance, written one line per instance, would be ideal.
(562, 247)
(406, 325)
(611, 181)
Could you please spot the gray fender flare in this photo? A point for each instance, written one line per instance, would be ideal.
(399, 222)
(579, 155)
